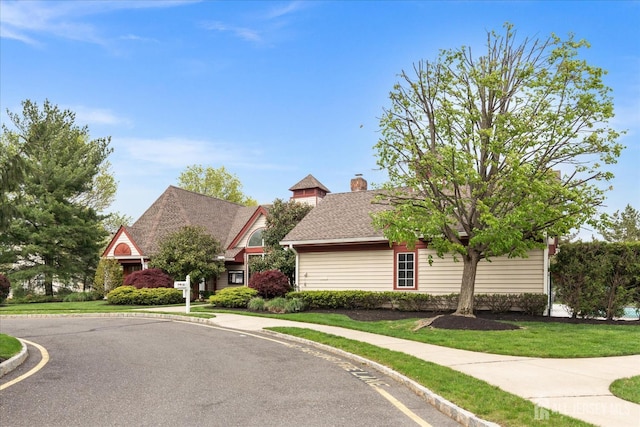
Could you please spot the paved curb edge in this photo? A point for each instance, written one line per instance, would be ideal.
(443, 405)
(17, 360)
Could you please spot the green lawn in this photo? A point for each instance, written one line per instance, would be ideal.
(73, 307)
(627, 389)
(9, 347)
(484, 400)
(535, 339)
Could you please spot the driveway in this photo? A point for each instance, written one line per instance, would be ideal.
(155, 372)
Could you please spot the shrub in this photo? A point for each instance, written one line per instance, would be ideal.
(149, 278)
(5, 287)
(108, 276)
(270, 284)
(237, 297)
(83, 296)
(497, 303)
(532, 304)
(294, 305)
(129, 295)
(276, 305)
(443, 302)
(256, 304)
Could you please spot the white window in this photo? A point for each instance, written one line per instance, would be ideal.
(256, 239)
(236, 277)
(406, 270)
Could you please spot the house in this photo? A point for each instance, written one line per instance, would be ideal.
(336, 245)
(238, 228)
(338, 248)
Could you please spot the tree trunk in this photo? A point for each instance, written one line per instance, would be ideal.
(465, 302)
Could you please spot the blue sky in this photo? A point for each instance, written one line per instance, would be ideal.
(273, 91)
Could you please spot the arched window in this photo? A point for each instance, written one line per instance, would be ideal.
(256, 239)
(122, 249)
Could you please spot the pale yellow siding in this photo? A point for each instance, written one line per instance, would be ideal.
(501, 275)
(122, 238)
(373, 271)
(366, 270)
(260, 222)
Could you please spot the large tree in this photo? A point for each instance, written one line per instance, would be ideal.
(281, 219)
(215, 183)
(54, 231)
(473, 146)
(189, 251)
(622, 226)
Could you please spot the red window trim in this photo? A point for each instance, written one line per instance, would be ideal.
(402, 249)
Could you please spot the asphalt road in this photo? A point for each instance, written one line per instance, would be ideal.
(152, 372)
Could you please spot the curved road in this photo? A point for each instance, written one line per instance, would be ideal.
(154, 372)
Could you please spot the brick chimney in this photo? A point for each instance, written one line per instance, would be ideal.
(358, 183)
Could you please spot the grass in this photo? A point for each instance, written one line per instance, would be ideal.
(484, 400)
(74, 307)
(535, 339)
(9, 347)
(627, 389)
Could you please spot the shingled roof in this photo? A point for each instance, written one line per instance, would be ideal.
(340, 217)
(177, 208)
(308, 182)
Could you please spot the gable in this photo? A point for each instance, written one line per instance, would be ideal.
(256, 221)
(122, 245)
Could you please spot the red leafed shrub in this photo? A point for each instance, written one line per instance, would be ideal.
(5, 287)
(270, 283)
(149, 278)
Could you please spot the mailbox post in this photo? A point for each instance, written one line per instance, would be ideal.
(185, 285)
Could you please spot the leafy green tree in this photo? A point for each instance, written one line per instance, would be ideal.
(189, 251)
(109, 275)
(622, 227)
(55, 233)
(471, 142)
(281, 219)
(114, 220)
(215, 183)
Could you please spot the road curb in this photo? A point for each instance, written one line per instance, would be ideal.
(17, 360)
(464, 417)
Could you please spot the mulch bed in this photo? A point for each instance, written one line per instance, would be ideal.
(482, 321)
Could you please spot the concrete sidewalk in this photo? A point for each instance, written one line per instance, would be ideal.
(575, 387)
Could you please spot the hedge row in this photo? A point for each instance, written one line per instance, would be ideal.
(597, 279)
(533, 304)
(236, 297)
(129, 295)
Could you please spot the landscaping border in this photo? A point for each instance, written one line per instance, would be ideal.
(15, 361)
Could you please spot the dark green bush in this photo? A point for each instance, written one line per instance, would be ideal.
(129, 295)
(532, 304)
(237, 297)
(5, 288)
(496, 303)
(597, 278)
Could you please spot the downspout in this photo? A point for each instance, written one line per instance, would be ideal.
(546, 279)
(296, 284)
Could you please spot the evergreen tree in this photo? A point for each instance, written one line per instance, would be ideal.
(55, 231)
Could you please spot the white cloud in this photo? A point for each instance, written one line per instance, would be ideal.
(243, 33)
(28, 20)
(86, 115)
(287, 9)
